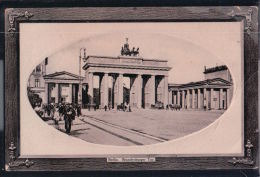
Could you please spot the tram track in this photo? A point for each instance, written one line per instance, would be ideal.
(130, 135)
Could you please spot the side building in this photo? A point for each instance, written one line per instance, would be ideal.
(214, 92)
(63, 87)
(56, 87)
(36, 83)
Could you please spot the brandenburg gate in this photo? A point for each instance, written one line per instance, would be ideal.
(148, 79)
(148, 84)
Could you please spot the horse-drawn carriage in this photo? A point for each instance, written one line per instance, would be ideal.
(157, 105)
(124, 107)
(175, 107)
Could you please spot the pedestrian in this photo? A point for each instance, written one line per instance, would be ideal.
(61, 111)
(69, 117)
(48, 110)
(52, 110)
(37, 109)
(78, 110)
(56, 117)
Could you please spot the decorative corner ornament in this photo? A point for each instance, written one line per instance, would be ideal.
(247, 15)
(247, 160)
(13, 162)
(14, 15)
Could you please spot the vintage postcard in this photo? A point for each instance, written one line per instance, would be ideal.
(144, 88)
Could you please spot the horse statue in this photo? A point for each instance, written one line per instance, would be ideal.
(126, 51)
(135, 52)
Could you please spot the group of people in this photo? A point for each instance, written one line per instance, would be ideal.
(121, 107)
(59, 112)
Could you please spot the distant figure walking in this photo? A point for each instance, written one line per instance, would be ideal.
(78, 110)
(69, 117)
(56, 117)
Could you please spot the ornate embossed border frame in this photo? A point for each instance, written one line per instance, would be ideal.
(128, 14)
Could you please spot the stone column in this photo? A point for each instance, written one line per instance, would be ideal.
(199, 99)
(115, 78)
(165, 95)
(159, 90)
(152, 90)
(212, 104)
(80, 94)
(104, 91)
(70, 94)
(59, 94)
(55, 90)
(46, 92)
(90, 87)
(188, 99)
(178, 98)
(170, 97)
(146, 98)
(221, 98)
(228, 97)
(138, 92)
(120, 89)
(173, 97)
(73, 93)
(206, 94)
(193, 99)
(183, 99)
(132, 95)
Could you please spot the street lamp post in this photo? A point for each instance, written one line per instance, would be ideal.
(80, 82)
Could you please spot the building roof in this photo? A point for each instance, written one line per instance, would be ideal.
(215, 69)
(208, 81)
(174, 85)
(63, 73)
(214, 81)
(126, 57)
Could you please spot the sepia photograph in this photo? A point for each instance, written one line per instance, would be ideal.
(128, 99)
(123, 88)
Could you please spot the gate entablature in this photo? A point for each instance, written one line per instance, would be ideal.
(131, 65)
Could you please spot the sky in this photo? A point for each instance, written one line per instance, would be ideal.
(186, 46)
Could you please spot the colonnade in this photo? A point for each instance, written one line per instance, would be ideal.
(201, 98)
(53, 92)
(143, 89)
